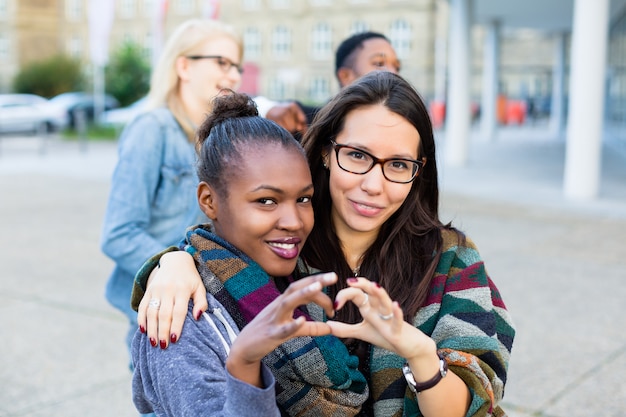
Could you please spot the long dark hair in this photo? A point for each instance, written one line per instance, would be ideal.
(404, 256)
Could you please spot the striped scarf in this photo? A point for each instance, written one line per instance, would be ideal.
(315, 376)
(468, 320)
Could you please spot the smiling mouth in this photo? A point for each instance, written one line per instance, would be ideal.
(367, 206)
(286, 246)
(285, 250)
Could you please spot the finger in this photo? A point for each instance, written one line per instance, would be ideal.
(152, 321)
(200, 304)
(356, 295)
(324, 279)
(343, 330)
(380, 299)
(179, 314)
(291, 300)
(300, 116)
(141, 313)
(165, 322)
(313, 329)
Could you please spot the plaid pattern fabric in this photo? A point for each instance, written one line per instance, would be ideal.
(468, 320)
(315, 376)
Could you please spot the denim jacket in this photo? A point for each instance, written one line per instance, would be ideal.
(152, 199)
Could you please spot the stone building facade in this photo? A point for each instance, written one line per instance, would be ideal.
(289, 44)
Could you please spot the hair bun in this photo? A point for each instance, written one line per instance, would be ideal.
(233, 105)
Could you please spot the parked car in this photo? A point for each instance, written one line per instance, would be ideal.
(119, 117)
(74, 102)
(29, 113)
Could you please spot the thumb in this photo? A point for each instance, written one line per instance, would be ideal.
(340, 329)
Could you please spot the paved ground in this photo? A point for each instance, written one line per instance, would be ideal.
(560, 265)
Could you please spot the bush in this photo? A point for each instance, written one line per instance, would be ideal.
(50, 77)
(127, 76)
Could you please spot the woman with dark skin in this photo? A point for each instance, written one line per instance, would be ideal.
(415, 303)
(259, 205)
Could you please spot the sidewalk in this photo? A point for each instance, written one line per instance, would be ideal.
(560, 265)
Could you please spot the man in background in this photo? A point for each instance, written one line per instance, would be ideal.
(356, 56)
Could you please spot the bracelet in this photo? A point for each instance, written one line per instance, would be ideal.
(418, 387)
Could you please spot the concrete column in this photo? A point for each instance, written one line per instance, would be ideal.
(557, 113)
(491, 77)
(458, 102)
(586, 102)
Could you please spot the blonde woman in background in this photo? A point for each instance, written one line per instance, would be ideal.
(153, 190)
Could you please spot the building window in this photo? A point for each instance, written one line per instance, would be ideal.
(320, 90)
(148, 46)
(4, 47)
(4, 9)
(148, 7)
(251, 4)
(281, 4)
(73, 9)
(321, 41)
(128, 37)
(358, 26)
(127, 8)
(184, 7)
(400, 34)
(252, 43)
(281, 42)
(75, 46)
(320, 3)
(277, 89)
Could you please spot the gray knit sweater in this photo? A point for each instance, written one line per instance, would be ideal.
(189, 378)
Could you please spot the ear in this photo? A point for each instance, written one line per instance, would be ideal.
(207, 200)
(345, 76)
(182, 68)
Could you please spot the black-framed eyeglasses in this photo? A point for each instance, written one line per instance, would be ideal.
(358, 161)
(224, 63)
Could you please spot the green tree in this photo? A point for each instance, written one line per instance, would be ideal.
(127, 76)
(50, 77)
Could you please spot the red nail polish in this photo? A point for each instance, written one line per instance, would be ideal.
(163, 344)
(173, 338)
(142, 329)
(352, 279)
(153, 342)
(199, 314)
(377, 284)
(335, 305)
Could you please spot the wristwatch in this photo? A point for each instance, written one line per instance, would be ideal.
(418, 387)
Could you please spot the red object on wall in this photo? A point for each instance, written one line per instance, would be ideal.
(250, 79)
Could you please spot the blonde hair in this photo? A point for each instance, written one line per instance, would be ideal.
(184, 40)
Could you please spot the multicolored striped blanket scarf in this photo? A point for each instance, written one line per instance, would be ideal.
(463, 313)
(315, 376)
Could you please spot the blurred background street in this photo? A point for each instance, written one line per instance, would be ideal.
(560, 266)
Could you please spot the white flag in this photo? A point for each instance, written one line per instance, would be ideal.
(101, 14)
